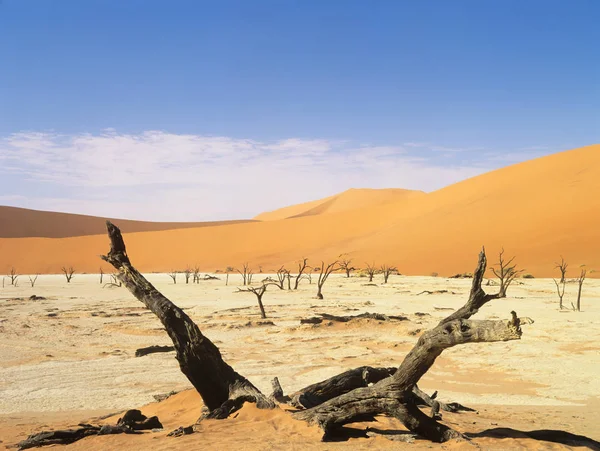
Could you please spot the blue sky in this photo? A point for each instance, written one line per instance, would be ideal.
(197, 110)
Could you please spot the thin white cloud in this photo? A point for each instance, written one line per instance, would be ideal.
(165, 176)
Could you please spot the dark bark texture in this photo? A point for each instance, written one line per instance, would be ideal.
(199, 359)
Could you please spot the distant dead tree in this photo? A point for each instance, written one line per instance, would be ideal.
(345, 264)
(258, 292)
(32, 280)
(371, 270)
(302, 266)
(246, 273)
(101, 274)
(506, 272)
(173, 275)
(187, 273)
(387, 270)
(562, 267)
(281, 274)
(560, 288)
(227, 271)
(68, 272)
(324, 273)
(196, 274)
(114, 281)
(580, 282)
(13, 276)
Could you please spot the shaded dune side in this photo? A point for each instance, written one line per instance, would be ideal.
(21, 222)
(537, 210)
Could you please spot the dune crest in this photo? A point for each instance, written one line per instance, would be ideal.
(537, 210)
(351, 199)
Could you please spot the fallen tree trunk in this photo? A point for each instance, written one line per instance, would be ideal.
(132, 422)
(344, 319)
(394, 395)
(221, 388)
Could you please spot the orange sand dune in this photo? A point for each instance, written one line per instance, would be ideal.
(351, 199)
(21, 222)
(537, 210)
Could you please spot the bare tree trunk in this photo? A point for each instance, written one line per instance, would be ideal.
(394, 395)
(580, 281)
(263, 315)
(221, 388)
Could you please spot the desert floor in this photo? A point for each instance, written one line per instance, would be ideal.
(70, 358)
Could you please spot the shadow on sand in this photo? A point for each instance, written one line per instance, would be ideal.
(548, 435)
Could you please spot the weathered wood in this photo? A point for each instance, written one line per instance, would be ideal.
(199, 359)
(153, 349)
(345, 319)
(394, 395)
(318, 393)
(131, 422)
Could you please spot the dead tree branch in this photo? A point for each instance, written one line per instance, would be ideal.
(345, 264)
(302, 266)
(394, 395)
(187, 274)
(560, 288)
(387, 270)
(506, 273)
(221, 388)
(371, 270)
(13, 276)
(68, 272)
(259, 292)
(246, 273)
(33, 280)
(580, 281)
(324, 273)
(562, 267)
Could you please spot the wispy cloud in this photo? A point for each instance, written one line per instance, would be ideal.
(165, 176)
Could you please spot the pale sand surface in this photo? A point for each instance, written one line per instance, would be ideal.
(71, 357)
(537, 210)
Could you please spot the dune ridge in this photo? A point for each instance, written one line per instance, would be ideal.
(16, 222)
(537, 210)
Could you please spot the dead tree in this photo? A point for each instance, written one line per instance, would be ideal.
(246, 273)
(560, 288)
(173, 275)
(32, 280)
(259, 292)
(101, 275)
(345, 264)
(580, 282)
(196, 275)
(187, 273)
(371, 271)
(68, 272)
(13, 276)
(324, 273)
(114, 282)
(282, 274)
(302, 266)
(393, 395)
(221, 388)
(562, 267)
(387, 271)
(227, 271)
(506, 273)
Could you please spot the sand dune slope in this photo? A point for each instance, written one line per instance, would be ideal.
(352, 199)
(22, 222)
(537, 210)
